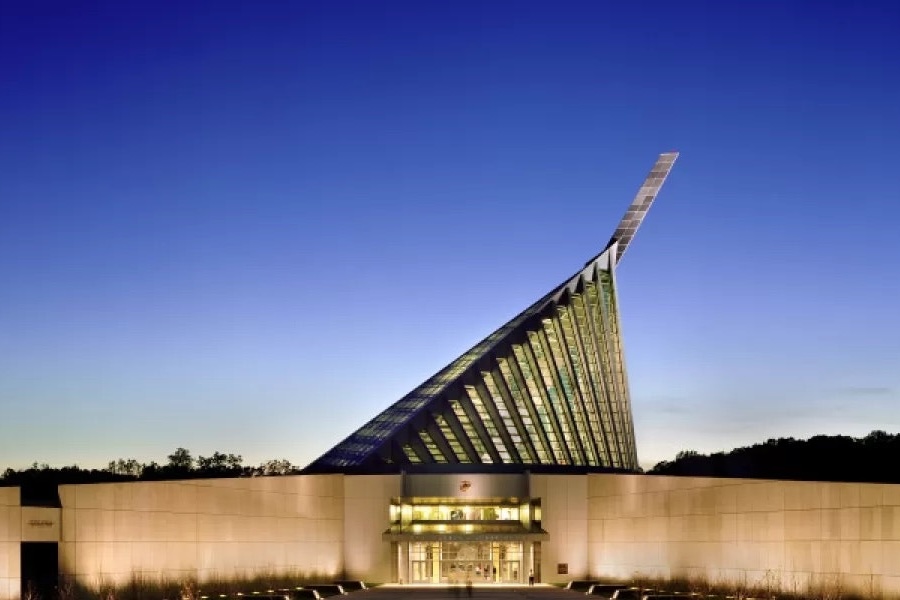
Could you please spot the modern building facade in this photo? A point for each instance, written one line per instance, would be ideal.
(545, 392)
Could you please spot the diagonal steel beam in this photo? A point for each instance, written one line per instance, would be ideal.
(641, 203)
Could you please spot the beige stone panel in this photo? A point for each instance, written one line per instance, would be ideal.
(595, 486)
(677, 529)
(872, 556)
(871, 494)
(187, 527)
(774, 526)
(184, 498)
(772, 556)
(768, 496)
(890, 558)
(87, 558)
(614, 507)
(105, 523)
(171, 527)
(658, 503)
(729, 554)
(870, 523)
(802, 524)
(66, 560)
(148, 556)
(831, 524)
(798, 556)
(851, 557)
(240, 501)
(5, 534)
(328, 559)
(154, 525)
(265, 529)
(745, 497)
(217, 501)
(890, 522)
(890, 586)
(141, 495)
(206, 528)
(726, 498)
(93, 496)
(831, 494)
(67, 525)
(849, 493)
(209, 499)
(121, 496)
(9, 496)
(890, 494)
(335, 508)
(594, 508)
(829, 557)
(657, 529)
(848, 517)
(678, 502)
(744, 527)
(752, 556)
(86, 525)
(228, 528)
(702, 501)
(14, 523)
(10, 565)
(728, 527)
(207, 556)
(307, 507)
(114, 557)
(802, 495)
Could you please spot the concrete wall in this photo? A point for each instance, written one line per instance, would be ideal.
(204, 529)
(790, 535)
(10, 542)
(564, 509)
(367, 499)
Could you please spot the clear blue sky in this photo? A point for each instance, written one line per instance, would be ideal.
(249, 227)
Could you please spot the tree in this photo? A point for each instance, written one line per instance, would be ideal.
(181, 460)
(276, 467)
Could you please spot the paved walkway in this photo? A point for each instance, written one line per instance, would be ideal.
(460, 592)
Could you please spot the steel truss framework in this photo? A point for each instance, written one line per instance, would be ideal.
(548, 388)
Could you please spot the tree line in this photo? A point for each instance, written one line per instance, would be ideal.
(39, 481)
(819, 458)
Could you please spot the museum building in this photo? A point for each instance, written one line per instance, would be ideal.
(517, 459)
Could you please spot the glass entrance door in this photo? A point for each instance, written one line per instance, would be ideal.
(510, 571)
(459, 562)
(420, 571)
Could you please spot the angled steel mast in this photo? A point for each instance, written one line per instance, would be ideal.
(641, 203)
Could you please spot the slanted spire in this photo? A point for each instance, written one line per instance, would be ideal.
(546, 390)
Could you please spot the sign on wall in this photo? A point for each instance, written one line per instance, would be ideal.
(562, 568)
(40, 524)
(470, 485)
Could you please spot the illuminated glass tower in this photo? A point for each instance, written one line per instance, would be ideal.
(547, 389)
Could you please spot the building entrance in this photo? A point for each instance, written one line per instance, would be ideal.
(461, 562)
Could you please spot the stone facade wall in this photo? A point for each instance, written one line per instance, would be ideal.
(10, 543)
(210, 529)
(564, 509)
(367, 500)
(789, 535)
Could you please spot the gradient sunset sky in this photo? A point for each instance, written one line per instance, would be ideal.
(249, 227)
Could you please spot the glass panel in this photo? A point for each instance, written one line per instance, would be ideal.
(470, 431)
(488, 423)
(432, 447)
